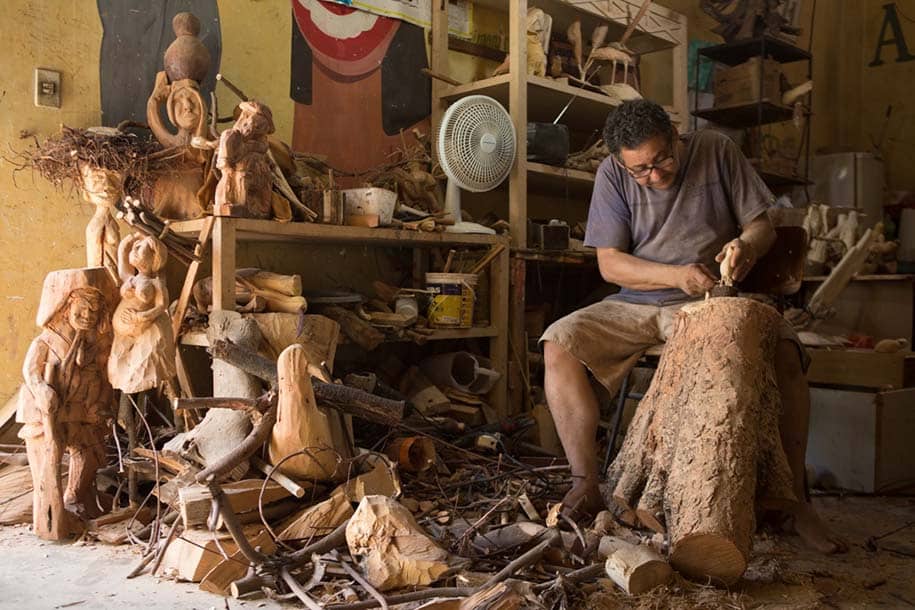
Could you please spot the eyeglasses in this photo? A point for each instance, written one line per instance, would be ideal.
(643, 171)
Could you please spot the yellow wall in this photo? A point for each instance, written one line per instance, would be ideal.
(41, 229)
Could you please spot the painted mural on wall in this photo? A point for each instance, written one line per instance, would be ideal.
(356, 82)
(135, 36)
(891, 39)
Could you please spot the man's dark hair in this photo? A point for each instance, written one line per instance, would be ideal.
(635, 122)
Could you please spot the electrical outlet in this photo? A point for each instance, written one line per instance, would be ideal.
(47, 88)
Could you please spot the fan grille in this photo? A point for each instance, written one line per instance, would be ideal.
(477, 143)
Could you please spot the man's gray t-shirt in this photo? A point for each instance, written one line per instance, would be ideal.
(716, 192)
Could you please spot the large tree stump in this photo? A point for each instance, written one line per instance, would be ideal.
(703, 449)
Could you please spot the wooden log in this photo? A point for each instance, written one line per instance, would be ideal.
(241, 452)
(635, 568)
(703, 448)
(220, 577)
(336, 396)
(355, 328)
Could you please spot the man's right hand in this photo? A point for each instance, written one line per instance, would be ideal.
(695, 279)
(47, 399)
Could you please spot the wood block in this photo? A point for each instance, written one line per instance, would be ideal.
(194, 553)
(861, 368)
(195, 501)
(472, 416)
(227, 571)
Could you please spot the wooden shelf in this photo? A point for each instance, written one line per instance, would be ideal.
(546, 97)
(557, 257)
(198, 338)
(733, 53)
(879, 277)
(575, 183)
(743, 116)
(248, 229)
(656, 31)
(775, 179)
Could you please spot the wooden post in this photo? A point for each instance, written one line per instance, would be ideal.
(517, 106)
(499, 344)
(438, 61)
(223, 263)
(679, 70)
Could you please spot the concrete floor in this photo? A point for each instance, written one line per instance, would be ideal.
(782, 573)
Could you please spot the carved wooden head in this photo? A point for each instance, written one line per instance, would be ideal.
(101, 186)
(255, 119)
(82, 298)
(148, 255)
(186, 109)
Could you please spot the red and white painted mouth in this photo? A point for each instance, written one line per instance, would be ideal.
(344, 40)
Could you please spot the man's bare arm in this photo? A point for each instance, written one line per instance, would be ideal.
(628, 271)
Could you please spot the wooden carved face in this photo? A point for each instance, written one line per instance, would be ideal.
(101, 187)
(147, 255)
(186, 111)
(85, 309)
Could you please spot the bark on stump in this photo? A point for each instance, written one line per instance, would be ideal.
(703, 449)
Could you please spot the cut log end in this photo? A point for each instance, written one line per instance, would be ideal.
(704, 557)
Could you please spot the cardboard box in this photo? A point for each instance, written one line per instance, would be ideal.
(740, 84)
(862, 441)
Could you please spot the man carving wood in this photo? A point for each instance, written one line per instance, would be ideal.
(66, 401)
(663, 211)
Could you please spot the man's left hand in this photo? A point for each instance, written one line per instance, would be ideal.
(743, 257)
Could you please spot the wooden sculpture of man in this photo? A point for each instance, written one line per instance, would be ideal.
(66, 401)
(245, 188)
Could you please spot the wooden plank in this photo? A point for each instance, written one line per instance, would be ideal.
(861, 368)
(187, 289)
(250, 229)
(679, 77)
(224, 264)
(438, 62)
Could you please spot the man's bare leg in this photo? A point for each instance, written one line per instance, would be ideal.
(575, 412)
(794, 426)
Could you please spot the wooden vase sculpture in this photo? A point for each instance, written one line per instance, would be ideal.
(143, 351)
(182, 193)
(66, 401)
(102, 188)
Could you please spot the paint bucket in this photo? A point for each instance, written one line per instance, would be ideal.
(453, 296)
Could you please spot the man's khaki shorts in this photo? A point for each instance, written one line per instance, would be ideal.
(610, 336)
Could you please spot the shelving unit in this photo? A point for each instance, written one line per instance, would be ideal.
(533, 98)
(227, 232)
(763, 111)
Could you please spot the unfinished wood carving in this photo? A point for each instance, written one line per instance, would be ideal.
(301, 426)
(66, 401)
(246, 185)
(703, 449)
(102, 188)
(179, 193)
(256, 291)
(143, 352)
(397, 553)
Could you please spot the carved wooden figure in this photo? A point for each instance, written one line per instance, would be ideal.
(246, 185)
(102, 188)
(143, 352)
(180, 193)
(66, 401)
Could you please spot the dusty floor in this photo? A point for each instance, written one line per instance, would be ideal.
(879, 571)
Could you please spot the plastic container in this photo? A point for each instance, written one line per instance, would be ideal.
(454, 294)
(370, 200)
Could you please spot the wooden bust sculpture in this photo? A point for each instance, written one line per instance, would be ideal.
(143, 352)
(102, 188)
(178, 192)
(246, 185)
(66, 400)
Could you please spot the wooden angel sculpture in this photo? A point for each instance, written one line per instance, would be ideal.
(180, 193)
(246, 185)
(66, 400)
(143, 351)
(103, 188)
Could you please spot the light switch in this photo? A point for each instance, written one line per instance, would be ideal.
(47, 88)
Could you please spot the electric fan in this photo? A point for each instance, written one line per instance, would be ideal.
(476, 148)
